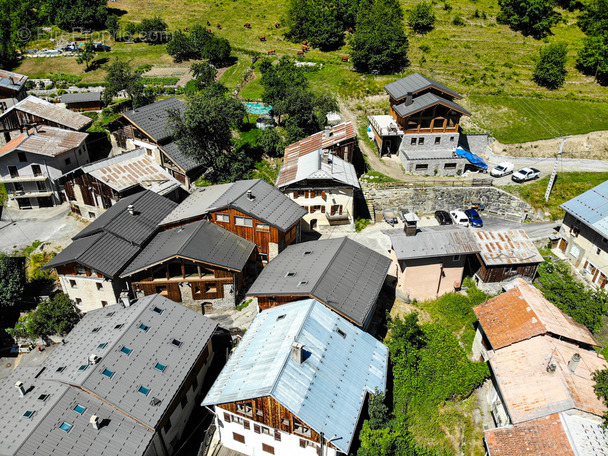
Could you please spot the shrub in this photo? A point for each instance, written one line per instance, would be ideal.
(421, 18)
(550, 70)
(459, 21)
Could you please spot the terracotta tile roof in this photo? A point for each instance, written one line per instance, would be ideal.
(545, 436)
(507, 247)
(340, 133)
(529, 390)
(522, 313)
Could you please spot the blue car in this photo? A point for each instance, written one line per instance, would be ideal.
(474, 218)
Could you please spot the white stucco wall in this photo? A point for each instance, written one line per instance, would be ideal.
(343, 196)
(87, 291)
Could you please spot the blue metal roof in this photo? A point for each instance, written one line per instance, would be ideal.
(591, 208)
(328, 390)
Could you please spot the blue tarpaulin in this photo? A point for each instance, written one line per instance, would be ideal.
(473, 159)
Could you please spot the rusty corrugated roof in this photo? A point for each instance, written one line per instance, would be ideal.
(506, 247)
(46, 141)
(53, 113)
(522, 313)
(322, 140)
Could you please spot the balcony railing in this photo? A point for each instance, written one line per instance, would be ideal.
(30, 178)
(28, 194)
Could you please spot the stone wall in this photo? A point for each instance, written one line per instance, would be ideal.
(426, 200)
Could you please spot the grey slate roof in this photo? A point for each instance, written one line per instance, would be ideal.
(116, 400)
(201, 241)
(343, 274)
(179, 158)
(425, 101)
(112, 240)
(328, 390)
(415, 83)
(591, 208)
(268, 205)
(86, 97)
(153, 118)
(433, 241)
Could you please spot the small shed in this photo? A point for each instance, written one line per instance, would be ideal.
(89, 101)
(505, 255)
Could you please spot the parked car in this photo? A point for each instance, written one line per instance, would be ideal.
(460, 218)
(390, 217)
(474, 218)
(51, 52)
(525, 174)
(503, 169)
(443, 217)
(102, 47)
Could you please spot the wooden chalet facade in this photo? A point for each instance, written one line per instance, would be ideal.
(89, 101)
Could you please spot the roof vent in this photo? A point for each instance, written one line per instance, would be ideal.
(94, 359)
(94, 422)
(296, 352)
(327, 133)
(250, 196)
(131, 209)
(574, 362)
(411, 224)
(551, 366)
(19, 386)
(155, 402)
(125, 300)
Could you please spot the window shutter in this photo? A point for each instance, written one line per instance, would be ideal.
(256, 428)
(323, 194)
(226, 418)
(296, 194)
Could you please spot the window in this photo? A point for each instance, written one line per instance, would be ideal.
(290, 274)
(43, 397)
(184, 401)
(597, 251)
(422, 167)
(92, 215)
(246, 424)
(456, 258)
(83, 367)
(78, 301)
(341, 333)
(452, 138)
(246, 408)
(177, 343)
(126, 350)
(73, 284)
(265, 430)
(413, 142)
(449, 166)
(420, 141)
(238, 437)
(29, 414)
(13, 172)
(300, 428)
(143, 390)
(259, 412)
(68, 161)
(160, 367)
(22, 157)
(36, 170)
(108, 373)
(257, 429)
(104, 303)
(267, 448)
(60, 369)
(158, 310)
(285, 422)
(96, 330)
(437, 140)
(99, 285)
(67, 427)
(277, 436)
(144, 327)
(80, 409)
(243, 221)
(262, 227)
(120, 325)
(103, 345)
(224, 218)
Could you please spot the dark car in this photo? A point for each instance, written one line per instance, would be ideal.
(443, 217)
(102, 48)
(474, 218)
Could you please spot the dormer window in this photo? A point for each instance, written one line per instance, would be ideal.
(245, 408)
(144, 327)
(80, 409)
(65, 426)
(290, 274)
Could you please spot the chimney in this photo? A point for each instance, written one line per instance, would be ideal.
(19, 386)
(94, 422)
(296, 352)
(411, 224)
(250, 196)
(574, 362)
(131, 209)
(408, 100)
(327, 133)
(94, 359)
(124, 298)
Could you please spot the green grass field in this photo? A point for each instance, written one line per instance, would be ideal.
(488, 63)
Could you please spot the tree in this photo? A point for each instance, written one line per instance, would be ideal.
(12, 280)
(593, 58)
(153, 30)
(600, 378)
(199, 44)
(271, 143)
(321, 22)
(421, 18)
(594, 18)
(86, 55)
(531, 17)
(112, 25)
(550, 70)
(180, 47)
(204, 130)
(379, 49)
(69, 14)
(121, 76)
(131, 29)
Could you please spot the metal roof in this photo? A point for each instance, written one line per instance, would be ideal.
(529, 390)
(131, 169)
(586, 432)
(12, 81)
(426, 101)
(153, 119)
(45, 140)
(432, 241)
(137, 368)
(313, 167)
(328, 390)
(51, 112)
(522, 313)
(591, 208)
(506, 247)
(85, 97)
(182, 160)
(414, 83)
(200, 241)
(268, 204)
(341, 273)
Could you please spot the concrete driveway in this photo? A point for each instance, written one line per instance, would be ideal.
(19, 228)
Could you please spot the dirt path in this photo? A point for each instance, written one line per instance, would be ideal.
(590, 146)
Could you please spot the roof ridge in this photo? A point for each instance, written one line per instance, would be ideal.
(329, 263)
(187, 241)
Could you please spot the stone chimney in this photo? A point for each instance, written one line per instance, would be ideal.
(296, 352)
(19, 386)
(574, 362)
(410, 224)
(408, 100)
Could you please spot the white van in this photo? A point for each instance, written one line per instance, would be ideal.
(504, 169)
(460, 218)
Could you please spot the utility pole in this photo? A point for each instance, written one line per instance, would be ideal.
(554, 173)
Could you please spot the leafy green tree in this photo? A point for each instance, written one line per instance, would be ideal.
(600, 378)
(121, 76)
(199, 44)
(153, 30)
(379, 49)
(12, 280)
(421, 18)
(69, 14)
(180, 47)
(271, 143)
(321, 22)
(593, 58)
(86, 55)
(550, 70)
(593, 19)
(531, 17)
(112, 25)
